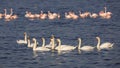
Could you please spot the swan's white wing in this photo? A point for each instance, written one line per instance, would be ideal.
(21, 42)
(106, 45)
(66, 47)
(42, 49)
(87, 48)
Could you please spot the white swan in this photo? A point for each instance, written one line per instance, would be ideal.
(106, 45)
(84, 48)
(42, 48)
(64, 47)
(52, 44)
(29, 43)
(23, 41)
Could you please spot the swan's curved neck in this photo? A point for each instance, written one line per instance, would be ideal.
(25, 37)
(28, 42)
(35, 45)
(59, 45)
(79, 44)
(98, 44)
(53, 43)
(43, 44)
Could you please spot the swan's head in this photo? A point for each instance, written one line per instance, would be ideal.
(43, 38)
(98, 38)
(34, 39)
(58, 40)
(79, 39)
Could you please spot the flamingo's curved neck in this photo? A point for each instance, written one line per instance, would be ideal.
(11, 11)
(5, 12)
(80, 12)
(105, 9)
(28, 42)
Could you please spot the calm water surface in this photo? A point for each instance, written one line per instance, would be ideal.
(13, 55)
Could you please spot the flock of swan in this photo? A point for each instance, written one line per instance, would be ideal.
(55, 44)
(104, 14)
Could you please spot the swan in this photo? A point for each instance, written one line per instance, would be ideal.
(23, 41)
(64, 47)
(29, 43)
(52, 44)
(106, 45)
(42, 48)
(84, 48)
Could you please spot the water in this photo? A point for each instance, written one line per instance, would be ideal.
(13, 55)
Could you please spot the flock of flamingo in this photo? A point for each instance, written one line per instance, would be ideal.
(55, 44)
(104, 14)
(9, 16)
(68, 15)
